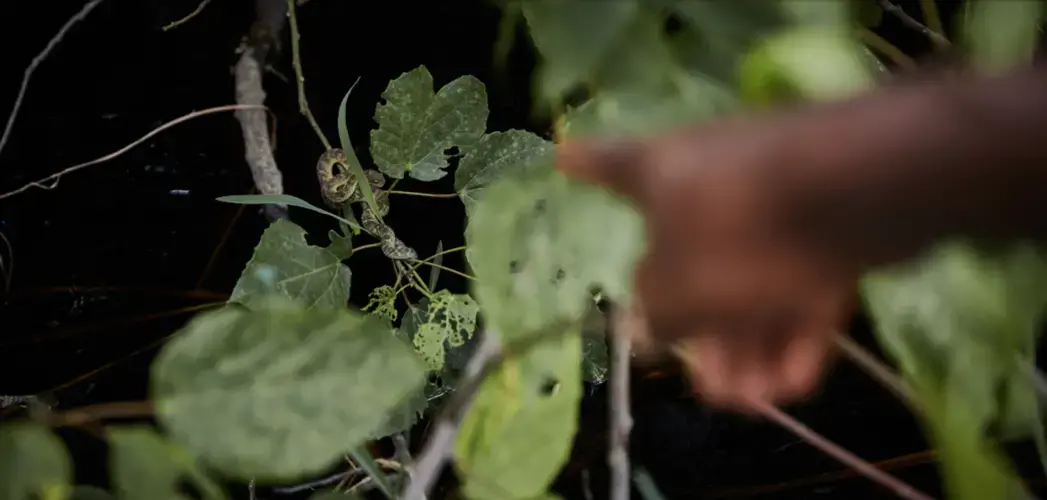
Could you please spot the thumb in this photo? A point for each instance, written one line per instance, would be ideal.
(618, 165)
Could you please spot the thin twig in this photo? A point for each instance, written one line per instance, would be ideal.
(930, 13)
(7, 266)
(620, 417)
(51, 44)
(174, 24)
(837, 452)
(296, 61)
(911, 23)
(879, 44)
(195, 114)
(105, 411)
(438, 448)
(877, 370)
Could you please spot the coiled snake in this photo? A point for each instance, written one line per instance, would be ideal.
(340, 187)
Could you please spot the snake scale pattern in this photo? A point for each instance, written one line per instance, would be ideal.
(341, 187)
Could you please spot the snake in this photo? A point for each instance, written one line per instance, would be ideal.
(340, 187)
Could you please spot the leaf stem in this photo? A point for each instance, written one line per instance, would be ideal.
(424, 195)
(105, 411)
(879, 44)
(174, 24)
(365, 247)
(444, 268)
(931, 17)
(939, 40)
(296, 61)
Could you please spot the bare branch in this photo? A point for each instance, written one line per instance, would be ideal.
(836, 451)
(53, 178)
(882, 374)
(620, 418)
(438, 448)
(911, 23)
(55, 40)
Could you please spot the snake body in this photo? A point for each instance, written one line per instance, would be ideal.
(340, 187)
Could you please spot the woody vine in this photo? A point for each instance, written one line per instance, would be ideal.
(286, 380)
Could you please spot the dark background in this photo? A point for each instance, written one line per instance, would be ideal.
(107, 263)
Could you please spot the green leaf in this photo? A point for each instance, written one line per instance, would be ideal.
(280, 391)
(495, 155)
(283, 199)
(957, 321)
(574, 38)
(350, 154)
(341, 246)
(869, 14)
(145, 465)
(1001, 35)
(836, 15)
(363, 458)
(717, 35)
(33, 463)
(540, 243)
(519, 431)
(814, 62)
(449, 319)
(313, 276)
(416, 127)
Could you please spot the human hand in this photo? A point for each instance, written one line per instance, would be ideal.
(728, 277)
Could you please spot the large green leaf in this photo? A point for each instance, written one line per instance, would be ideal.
(574, 38)
(519, 431)
(958, 322)
(145, 465)
(280, 391)
(1001, 35)
(34, 463)
(284, 263)
(85, 492)
(539, 243)
(495, 155)
(416, 127)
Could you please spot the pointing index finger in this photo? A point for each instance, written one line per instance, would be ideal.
(617, 165)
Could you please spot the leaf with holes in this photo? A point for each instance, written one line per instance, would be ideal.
(283, 263)
(145, 465)
(449, 319)
(498, 154)
(33, 463)
(416, 127)
(519, 431)
(540, 243)
(280, 391)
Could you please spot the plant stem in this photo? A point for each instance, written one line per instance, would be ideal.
(296, 61)
(424, 195)
(620, 417)
(445, 268)
(878, 371)
(939, 40)
(877, 43)
(94, 413)
(839, 453)
(930, 15)
(365, 247)
(174, 24)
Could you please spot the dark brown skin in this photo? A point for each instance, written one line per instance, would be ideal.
(759, 227)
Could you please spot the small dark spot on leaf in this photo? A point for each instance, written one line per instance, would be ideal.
(549, 386)
(514, 267)
(539, 207)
